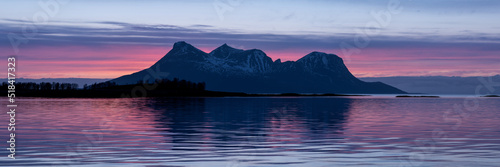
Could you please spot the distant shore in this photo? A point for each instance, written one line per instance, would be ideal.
(113, 93)
(420, 96)
(161, 88)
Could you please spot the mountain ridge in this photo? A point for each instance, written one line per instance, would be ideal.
(252, 71)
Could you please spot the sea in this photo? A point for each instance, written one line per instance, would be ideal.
(254, 131)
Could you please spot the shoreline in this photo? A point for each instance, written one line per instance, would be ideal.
(128, 93)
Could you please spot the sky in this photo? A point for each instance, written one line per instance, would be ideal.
(96, 39)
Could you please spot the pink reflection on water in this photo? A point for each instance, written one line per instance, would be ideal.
(88, 122)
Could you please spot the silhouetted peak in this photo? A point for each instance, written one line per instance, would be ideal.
(321, 58)
(316, 53)
(180, 44)
(224, 51)
(225, 48)
(320, 55)
(183, 45)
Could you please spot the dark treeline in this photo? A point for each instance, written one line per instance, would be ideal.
(159, 88)
(32, 86)
(164, 84)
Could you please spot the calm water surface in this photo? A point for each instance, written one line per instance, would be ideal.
(336, 131)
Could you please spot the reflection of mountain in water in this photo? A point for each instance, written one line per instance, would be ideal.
(244, 119)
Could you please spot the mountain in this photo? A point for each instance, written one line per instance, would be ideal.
(252, 71)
